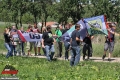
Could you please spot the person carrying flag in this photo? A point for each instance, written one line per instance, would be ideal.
(110, 40)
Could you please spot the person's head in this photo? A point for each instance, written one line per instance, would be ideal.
(71, 24)
(67, 26)
(77, 27)
(48, 28)
(112, 25)
(35, 25)
(13, 27)
(7, 30)
(29, 27)
(60, 27)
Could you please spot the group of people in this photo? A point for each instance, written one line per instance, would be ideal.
(47, 43)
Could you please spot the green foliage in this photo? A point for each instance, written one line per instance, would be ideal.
(27, 18)
(17, 10)
(41, 69)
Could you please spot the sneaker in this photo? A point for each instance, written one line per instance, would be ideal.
(104, 56)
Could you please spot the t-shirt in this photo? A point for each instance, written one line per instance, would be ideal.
(87, 40)
(110, 36)
(58, 33)
(75, 34)
(14, 32)
(66, 38)
(64, 31)
(36, 30)
(7, 38)
(48, 39)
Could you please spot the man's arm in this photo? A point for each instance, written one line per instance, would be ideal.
(78, 37)
(54, 40)
(43, 43)
(43, 36)
(92, 37)
(112, 32)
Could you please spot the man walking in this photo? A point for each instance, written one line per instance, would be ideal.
(58, 32)
(75, 46)
(109, 43)
(47, 43)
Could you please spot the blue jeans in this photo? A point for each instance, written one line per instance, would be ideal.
(8, 47)
(75, 55)
(44, 51)
(67, 45)
(13, 49)
(21, 47)
(49, 49)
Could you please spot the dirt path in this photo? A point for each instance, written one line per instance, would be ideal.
(95, 59)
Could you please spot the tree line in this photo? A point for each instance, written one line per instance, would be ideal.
(31, 11)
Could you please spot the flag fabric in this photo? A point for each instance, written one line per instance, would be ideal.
(66, 36)
(29, 36)
(83, 29)
(96, 25)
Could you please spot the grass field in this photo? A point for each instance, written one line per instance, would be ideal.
(41, 69)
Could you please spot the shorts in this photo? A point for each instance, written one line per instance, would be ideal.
(110, 46)
(37, 44)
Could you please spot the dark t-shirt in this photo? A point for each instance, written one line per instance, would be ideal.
(75, 34)
(110, 37)
(7, 38)
(64, 31)
(48, 39)
(87, 40)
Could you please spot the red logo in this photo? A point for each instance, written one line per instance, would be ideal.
(9, 70)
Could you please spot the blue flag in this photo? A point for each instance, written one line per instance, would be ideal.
(96, 25)
(83, 29)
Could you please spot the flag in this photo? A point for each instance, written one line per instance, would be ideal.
(96, 25)
(29, 36)
(83, 29)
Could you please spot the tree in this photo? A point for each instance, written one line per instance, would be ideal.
(35, 9)
(23, 8)
(69, 8)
